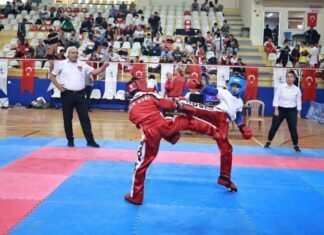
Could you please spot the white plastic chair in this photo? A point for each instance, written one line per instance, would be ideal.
(95, 94)
(120, 95)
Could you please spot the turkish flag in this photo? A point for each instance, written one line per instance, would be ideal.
(309, 85)
(251, 90)
(195, 71)
(27, 82)
(311, 19)
(139, 70)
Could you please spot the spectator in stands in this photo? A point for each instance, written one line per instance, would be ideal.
(143, 21)
(195, 6)
(113, 11)
(295, 54)
(314, 56)
(43, 13)
(20, 49)
(204, 6)
(86, 25)
(67, 25)
(20, 5)
(139, 35)
(225, 58)
(215, 28)
(225, 28)
(234, 59)
(28, 7)
(157, 44)
(177, 54)
(304, 55)
(167, 53)
(41, 50)
(154, 22)
(218, 7)
(201, 39)
(152, 84)
(200, 53)
(128, 31)
(269, 46)
(267, 33)
(99, 19)
(275, 35)
(312, 36)
(21, 31)
(178, 84)
(114, 57)
(7, 9)
(147, 44)
(72, 39)
(61, 55)
(240, 70)
(123, 7)
(284, 53)
(132, 8)
(233, 43)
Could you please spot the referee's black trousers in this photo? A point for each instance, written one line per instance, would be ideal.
(290, 114)
(71, 100)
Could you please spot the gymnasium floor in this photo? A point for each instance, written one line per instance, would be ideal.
(47, 188)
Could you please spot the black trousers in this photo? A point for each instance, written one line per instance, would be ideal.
(88, 90)
(71, 100)
(290, 114)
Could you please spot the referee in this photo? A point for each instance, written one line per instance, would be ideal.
(71, 83)
(287, 104)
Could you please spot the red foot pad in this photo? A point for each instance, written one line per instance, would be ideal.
(12, 211)
(223, 180)
(137, 200)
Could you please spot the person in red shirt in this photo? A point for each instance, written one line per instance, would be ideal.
(144, 112)
(167, 85)
(178, 84)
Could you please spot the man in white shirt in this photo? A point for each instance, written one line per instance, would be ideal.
(71, 83)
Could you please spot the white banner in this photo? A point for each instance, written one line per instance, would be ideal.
(223, 74)
(279, 77)
(165, 69)
(3, 75)
(111, 81)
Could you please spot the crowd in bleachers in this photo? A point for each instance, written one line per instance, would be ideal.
(125, 32)
(304, 54)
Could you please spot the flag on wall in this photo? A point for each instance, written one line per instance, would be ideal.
(165, 69)
(27, 81)
(3, 75)
(111, 81)
(309, 85)
(251, 90)
(311, 19)
(195, 71)
(223, 74)
(139, 70)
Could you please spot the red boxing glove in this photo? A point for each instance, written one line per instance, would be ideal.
(246, 131)
(188, 109)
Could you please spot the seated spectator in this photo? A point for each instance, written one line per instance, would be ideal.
(233, 43)
(86, 25)
(240, 70)
(177, 54)
(157, 44)
(52, 38)
(195, 6)
(215, 29)
(225, 59)
(67, 25)
(113, 11)
(269, 46)
(123, 7)
(234, 59)
(99, 19)
(205, 6)
(143, 22)
(139, 35)
(21, 50)
(72, 39)
(61, 55)
(167, 53)
(225, 28)
(40, 50)
(200, 53)
(44, 13)
(132, 8)
(312, 36)
(114, 57)
(7, 9)
(27, 7)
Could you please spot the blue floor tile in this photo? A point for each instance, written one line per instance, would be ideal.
(10, 153)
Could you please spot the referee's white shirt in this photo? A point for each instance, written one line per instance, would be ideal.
(287, 97)
(72, 75)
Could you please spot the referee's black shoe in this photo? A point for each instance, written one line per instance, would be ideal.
(70, 143)
(93, 144)
(297, 149)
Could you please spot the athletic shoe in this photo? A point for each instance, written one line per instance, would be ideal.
(226, 181)
(267, 145)
(137, 200)
(297, 149)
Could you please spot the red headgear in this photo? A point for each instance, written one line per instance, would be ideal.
(193, 84)
(137, 84)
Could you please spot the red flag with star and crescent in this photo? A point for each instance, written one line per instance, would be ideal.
(309, 85)
(311, 19)
(139, 70)
(251, 90)
(27, 79)
(195, 71)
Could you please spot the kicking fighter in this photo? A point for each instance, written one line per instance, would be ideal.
(144, 112)
(229, 109)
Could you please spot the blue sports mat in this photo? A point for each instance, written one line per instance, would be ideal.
(181, 199)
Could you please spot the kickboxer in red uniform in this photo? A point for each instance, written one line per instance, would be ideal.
(144, 112)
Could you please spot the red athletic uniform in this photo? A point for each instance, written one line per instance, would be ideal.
(144, 112)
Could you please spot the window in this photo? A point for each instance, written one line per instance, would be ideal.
(296, 19)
